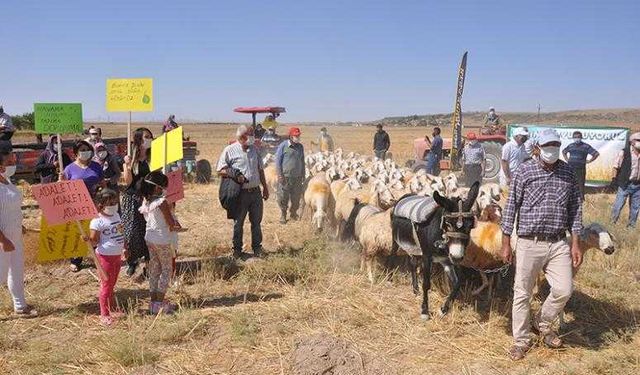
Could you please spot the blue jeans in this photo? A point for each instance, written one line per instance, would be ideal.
(433, 164)
(633, 192)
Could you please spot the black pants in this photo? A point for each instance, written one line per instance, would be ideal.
(472, 173)
(381, 154)
(249, 203)
(581, 176)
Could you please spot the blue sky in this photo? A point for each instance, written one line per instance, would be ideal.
(323, 60)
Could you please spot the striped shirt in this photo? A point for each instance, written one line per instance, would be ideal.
(11, 213)
(473, 153)
(547, 202)
(247, 162)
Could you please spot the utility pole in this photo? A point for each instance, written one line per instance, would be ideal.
(538, 112)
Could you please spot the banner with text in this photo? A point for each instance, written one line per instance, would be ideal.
(62, 118)
(64, 201)
(61, 241)
(130, 94)
(607, 141)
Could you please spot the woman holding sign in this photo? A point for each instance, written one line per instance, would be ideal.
(11, 246)
(83, 168)
(135, 168)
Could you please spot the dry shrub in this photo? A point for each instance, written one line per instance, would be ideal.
(244, 328)
(31, 243)
(130, 350)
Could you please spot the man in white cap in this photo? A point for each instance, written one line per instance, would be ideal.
(6, 126)
(546, 201)
(627, 178)
(513, 154)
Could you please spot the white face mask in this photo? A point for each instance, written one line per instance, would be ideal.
(93, 136)
(473, 142)
(9, 171)
(577, 140)
(102, 155)
(250, 140)
(146, 143)
(110, 210)
(637, 145)
(85, 155)
(550, 154)
(295, 139)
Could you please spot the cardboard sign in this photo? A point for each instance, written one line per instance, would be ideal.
(173, 147)
(62, 118)
(64, 201)
(61, 241)
(130, 94)
(175, 190)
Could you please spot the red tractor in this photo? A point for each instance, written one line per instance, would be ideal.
(268, 142)
(492, 146)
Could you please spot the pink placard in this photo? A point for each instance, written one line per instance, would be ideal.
(175, 190)
(64, 201)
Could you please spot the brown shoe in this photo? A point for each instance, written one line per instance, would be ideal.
(549, 338)
(26, 313)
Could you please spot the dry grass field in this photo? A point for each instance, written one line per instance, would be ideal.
(307, 309)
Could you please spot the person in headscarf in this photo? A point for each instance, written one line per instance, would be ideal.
(170, 124)
(47, 166)
(110, 169)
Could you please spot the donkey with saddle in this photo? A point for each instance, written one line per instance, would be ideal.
(434, 229)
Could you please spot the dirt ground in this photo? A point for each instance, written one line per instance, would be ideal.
(307, 309)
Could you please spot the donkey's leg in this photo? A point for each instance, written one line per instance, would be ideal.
(413, 264)
(426, 285)
(455, 286)
(485, 282)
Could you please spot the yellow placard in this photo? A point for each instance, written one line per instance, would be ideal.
(172, 143)
(130, 94)
(61, 241)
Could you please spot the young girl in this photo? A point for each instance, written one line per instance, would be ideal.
(107, 236)
(160, 232)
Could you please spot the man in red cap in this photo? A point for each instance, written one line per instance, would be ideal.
(291, 171)
(473, 157)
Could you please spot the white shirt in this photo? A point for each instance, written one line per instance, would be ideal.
(248, 162)
(11, 213)
(111, 234)
(514, 154)
(5, 120)
(157, 227)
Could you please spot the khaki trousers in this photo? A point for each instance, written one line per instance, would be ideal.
(533, 256)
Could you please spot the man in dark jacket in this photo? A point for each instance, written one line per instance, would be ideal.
(291, 172)
(381, 143)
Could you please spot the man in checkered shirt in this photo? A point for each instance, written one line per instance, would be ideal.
(545, 198)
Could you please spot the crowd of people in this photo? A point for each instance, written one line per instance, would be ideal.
(544, 201)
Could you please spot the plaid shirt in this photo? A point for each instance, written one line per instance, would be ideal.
(546, 202)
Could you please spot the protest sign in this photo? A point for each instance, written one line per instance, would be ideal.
(175, 189)
(130, 94)
(61, 241)
(64, 201)
(166, 149)
(61, 118)
(608, 141)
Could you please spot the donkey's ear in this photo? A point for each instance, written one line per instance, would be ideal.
(444, 202)
(471, 197)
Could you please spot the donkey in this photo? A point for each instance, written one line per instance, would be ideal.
(436, 230)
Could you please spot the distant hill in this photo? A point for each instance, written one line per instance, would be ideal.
(620, 117)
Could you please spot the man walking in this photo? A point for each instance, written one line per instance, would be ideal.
(473, 157)
(242, 158)
(513, 154)
(325, 141)
(291, 170)
(434, 153)
(545, 198)
(576, 155)
(381, 143)
(627, 178)
(6, 126)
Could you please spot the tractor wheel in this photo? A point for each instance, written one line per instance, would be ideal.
(493, 154)
(203, 171)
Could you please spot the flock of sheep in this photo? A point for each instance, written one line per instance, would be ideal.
(336, 182)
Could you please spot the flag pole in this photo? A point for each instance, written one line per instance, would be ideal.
(129, 135)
